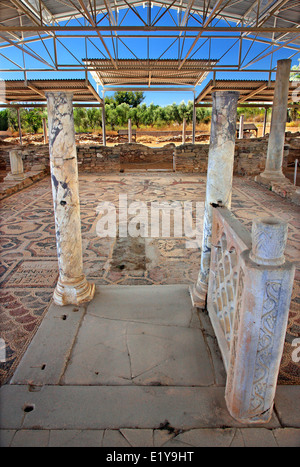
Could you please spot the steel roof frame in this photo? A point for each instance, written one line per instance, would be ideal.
(40, 20)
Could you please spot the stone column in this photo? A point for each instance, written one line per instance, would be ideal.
(263, 298)
(219, 178)
(273, 169)
(72, 287)
(16, 166)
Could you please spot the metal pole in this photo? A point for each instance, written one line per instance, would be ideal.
(265, 122)
(183, 131)
(295, 172)
(45, 131)
(194, 121)
(103, 121)
(19, 124)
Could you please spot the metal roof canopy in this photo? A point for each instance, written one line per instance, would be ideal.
(102, 26)
(252, 92)
(149, 72)
(16, 91)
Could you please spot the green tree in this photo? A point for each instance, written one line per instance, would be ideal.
(94, 117)
(136, 115)
(122, 113)
(3, 120)
(33, 119)
(132, 98)
(295, 75)
(111, 115)
(79, 114)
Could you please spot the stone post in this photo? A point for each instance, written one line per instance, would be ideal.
(129, 131)
(219, 178)
(72, 287)
(273, 169)
(16, 166)
(183, 131)
(263, 297)
(241, 127)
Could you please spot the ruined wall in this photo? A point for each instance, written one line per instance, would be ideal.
(139, 153)
(98, 159)
(33, 156)
(250, 156)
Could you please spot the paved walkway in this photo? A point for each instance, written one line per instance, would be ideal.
(137, 367)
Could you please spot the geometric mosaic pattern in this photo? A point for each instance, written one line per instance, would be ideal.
(28, 266)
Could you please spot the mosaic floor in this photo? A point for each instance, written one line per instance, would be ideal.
(28, 252)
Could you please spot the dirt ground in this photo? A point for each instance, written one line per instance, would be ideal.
(112, 138)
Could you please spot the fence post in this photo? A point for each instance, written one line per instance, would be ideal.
(264, 288)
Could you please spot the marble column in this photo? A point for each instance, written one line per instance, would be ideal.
(16, 166)
(273, 169)
(72, 287)
(219, 178)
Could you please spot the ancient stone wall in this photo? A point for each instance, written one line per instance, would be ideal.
(98, 159)
(249, 159)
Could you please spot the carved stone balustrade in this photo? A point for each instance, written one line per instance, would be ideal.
(249, 293)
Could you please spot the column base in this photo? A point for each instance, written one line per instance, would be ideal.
(198, 295)
(16, 177)
(267, 178)
(73, 292)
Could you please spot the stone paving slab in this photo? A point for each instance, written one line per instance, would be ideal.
(143, 304)
(47, 355)
(287, 403)
(147, 438)
(111, 407)
(110, 352)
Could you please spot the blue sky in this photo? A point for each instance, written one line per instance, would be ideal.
(216, 49)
